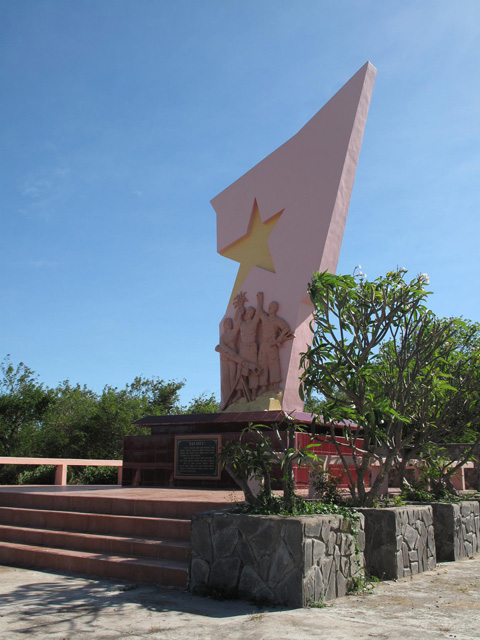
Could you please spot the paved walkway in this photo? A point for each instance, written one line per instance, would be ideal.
(444, 603)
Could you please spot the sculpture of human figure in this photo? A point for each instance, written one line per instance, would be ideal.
(229, 360)
(235, 366)
(275, 331)
(247, 378)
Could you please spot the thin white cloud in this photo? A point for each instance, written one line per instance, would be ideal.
(35, 188)
(43, 190)
(42, 264)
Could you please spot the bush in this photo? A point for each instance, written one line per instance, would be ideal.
(44, 474)
(93, 475)
(274, 505)
(419, 493)
(326, 486)
(8, 474)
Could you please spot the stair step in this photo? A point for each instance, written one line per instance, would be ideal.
(121, 533)
(166, 572)
(127, 545)
(97, 523)
(178, 509)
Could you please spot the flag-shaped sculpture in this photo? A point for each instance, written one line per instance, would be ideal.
(282, 221)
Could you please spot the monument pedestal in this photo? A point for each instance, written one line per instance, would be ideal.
(181, 450)
(268, 401)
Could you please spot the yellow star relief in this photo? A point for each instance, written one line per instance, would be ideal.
(251, 250)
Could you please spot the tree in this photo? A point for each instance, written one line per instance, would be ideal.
(83, 424)
(204, 403)
(73, 421)
(382, 361)
(64, 429)
(454, 411)
(23, 403)
(460, 405)
(156, 396)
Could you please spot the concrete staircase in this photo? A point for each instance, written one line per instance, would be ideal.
(138, 540)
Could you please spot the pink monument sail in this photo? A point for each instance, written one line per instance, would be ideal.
(282, 221)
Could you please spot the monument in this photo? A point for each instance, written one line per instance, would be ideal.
(282, 221)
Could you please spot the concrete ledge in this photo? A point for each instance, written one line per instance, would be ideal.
(277, 559)
(456, 529)
(399, 542)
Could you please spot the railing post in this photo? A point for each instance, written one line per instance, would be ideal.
(374, 471)
(119, 475)
(458, 479)
(61, 474)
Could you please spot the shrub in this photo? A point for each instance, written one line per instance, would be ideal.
(326, 486)
(417, 492)
(93, 475)
(44, 474)
(8, 474)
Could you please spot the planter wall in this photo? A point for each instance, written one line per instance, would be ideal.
(399, 541)
(456, 529)
(282, 560)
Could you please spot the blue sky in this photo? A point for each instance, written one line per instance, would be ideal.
(120, 120)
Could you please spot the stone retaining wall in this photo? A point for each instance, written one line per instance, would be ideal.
(456, 529)
(399, 541)
(283, 560)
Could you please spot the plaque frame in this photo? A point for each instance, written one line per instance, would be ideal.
(177, 476)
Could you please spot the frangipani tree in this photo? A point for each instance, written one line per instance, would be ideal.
(454, 412)
(381, 360)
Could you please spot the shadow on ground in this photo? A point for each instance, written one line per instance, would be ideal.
(80, 599)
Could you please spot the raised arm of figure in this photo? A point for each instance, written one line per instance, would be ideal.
(260, 310)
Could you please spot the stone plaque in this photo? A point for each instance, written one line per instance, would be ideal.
(196, 457)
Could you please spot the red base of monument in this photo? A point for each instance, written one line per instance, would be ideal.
(153, 460)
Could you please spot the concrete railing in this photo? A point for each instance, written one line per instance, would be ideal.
(62, 464)
(328, 461)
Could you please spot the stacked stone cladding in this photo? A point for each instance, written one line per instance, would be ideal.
(282, 560)
(456, 529)
(400, 541)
